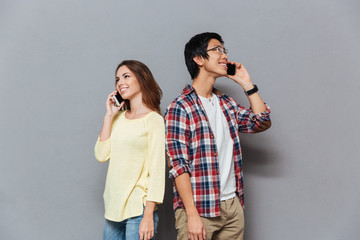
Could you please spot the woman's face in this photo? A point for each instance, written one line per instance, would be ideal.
(127, 84)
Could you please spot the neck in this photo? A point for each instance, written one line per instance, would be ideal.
(203, 84)
(137, 106)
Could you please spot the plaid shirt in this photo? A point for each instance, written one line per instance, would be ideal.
(191, 147)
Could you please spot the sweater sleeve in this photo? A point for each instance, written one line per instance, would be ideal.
(156, 151)
(102, 150)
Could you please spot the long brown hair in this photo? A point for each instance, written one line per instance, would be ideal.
(151, 92)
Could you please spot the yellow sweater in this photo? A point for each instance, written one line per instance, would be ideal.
(136, 172)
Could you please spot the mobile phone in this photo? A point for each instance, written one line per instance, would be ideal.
(118, 99)
(231, 69)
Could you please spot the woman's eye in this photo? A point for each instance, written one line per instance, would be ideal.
(126, 76)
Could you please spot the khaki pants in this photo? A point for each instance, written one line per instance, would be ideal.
(229, 226)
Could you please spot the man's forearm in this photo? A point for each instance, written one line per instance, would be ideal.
(183, 186)
(242, 77)
(256, 103)
(257, 106)
(195, 226)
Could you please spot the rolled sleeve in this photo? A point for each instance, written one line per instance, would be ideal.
(180, 164)
(177, 143)
(175, 172)
(249, 121)
(264, 116)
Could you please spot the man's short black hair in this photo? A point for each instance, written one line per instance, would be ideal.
(197, 46)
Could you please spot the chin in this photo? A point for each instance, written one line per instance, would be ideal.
(222, 74)
(127, 96)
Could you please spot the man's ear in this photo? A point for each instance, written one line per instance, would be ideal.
(199, 60)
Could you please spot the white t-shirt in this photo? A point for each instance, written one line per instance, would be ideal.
(224, 144)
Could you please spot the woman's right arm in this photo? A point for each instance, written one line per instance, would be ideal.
(106, 128)
(102, 146)
(111, 111)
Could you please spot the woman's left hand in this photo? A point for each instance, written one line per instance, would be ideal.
(146, 228)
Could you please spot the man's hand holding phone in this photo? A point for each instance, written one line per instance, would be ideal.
(240, 75)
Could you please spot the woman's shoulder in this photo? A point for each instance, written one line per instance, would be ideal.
(120, 114)
(117, 118)
(154, 119)
(155, 116)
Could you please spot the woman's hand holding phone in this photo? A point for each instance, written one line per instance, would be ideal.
(111, 108)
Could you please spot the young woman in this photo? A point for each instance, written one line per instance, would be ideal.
(134, 142)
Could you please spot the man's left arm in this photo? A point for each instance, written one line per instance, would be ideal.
(258, 107)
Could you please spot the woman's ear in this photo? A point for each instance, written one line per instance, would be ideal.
(199, 60)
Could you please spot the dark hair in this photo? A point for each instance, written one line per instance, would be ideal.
(197, 46)
(151, 92)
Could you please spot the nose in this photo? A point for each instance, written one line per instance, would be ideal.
(118, 84)
(224, 55)
(120, 81)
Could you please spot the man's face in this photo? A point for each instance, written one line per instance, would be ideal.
(216, 63)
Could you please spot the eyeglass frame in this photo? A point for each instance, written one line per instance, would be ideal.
(217, 48)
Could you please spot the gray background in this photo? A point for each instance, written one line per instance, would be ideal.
(57, 62)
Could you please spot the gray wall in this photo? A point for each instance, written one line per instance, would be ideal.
(57, 61)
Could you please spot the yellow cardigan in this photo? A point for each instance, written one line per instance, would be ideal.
(136, 172)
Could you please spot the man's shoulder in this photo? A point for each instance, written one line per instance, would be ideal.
(183, 100)
(178, 107)
(226, 98)
(179, 101)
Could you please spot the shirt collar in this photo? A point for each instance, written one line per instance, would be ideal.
(188, 89)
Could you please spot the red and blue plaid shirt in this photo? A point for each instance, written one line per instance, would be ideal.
(191, 147)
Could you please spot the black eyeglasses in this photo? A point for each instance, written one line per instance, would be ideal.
(220, 50)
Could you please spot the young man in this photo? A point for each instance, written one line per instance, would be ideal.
(203, 145)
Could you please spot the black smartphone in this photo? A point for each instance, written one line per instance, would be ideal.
(231, 69)
(118, 99)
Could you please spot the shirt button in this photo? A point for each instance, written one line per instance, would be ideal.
(215, 154)
(212, 136)
(217, 172)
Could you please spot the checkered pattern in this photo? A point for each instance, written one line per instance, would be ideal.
(191, 147)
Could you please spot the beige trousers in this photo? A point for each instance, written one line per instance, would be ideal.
(229, 226)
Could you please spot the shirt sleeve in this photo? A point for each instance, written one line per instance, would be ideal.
(177, 142)
(156, 150)
(102, 150)
(249, 121)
